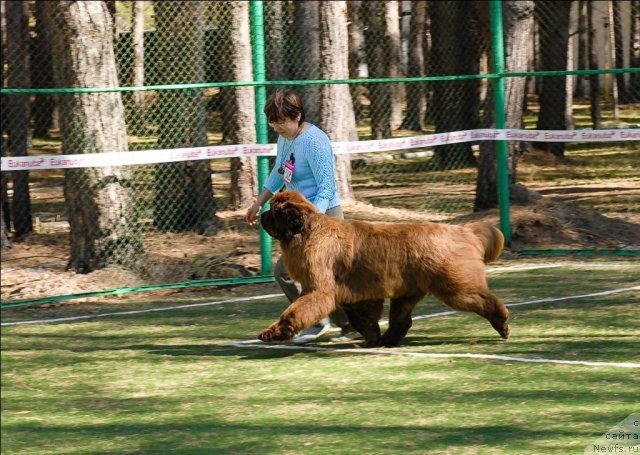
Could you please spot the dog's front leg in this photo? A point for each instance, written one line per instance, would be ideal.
(364, 317)
(305, 311)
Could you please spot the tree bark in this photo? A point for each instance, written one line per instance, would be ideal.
(553, 19)
(394, 61)
(307, 55)
(619, 52)
(569, 83)
(582, 48)
(354, 27)
(239, 117)
(275, 18)
(338, 118)
(42, 75)
(18, 133)
(610, 30)
(4, 199)
(634, 52)
(416, 96)
(136, 103)
(427, 47)
(103, 224)
(455, 103)
(377, 50)
(518, 31)
(184, 193)
(5, 243)
(594, 79)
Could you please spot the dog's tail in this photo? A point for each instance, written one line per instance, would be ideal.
(491, 238)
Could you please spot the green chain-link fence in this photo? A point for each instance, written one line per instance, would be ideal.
(411, 68)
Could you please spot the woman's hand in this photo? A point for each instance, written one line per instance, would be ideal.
(252, 213)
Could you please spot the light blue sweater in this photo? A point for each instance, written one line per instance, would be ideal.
(314, 174)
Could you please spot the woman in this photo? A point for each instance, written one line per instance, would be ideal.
(304, 163)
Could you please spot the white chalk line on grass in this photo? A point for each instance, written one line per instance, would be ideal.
(257, 343)
(253, 344)
(149, 310)
(268, 296)
(516, 268)
(520, 268)
(532, 302)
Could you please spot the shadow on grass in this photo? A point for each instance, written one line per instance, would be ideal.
(211, 436)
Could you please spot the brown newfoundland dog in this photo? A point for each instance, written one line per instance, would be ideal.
(356, 265)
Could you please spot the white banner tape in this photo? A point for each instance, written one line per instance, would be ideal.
(248, 150)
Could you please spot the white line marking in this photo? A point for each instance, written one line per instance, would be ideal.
(593, 294)
(250, 344)
(242, 299)
(531, 302)
(520, 268)
(150, 310)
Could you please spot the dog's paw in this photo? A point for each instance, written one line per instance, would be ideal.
(276, 332)
(502, 327)
(505, 331)
(374, 343)
(389, 341)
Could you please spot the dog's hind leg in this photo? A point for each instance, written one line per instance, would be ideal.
(399, 319)
(483, 303)
(364, 316)
(496, 313)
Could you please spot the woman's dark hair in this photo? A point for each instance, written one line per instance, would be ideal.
(284, 105)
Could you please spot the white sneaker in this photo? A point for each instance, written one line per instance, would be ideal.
(311, 333)
(347, 336)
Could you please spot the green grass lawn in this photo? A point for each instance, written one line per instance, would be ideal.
(165, 382)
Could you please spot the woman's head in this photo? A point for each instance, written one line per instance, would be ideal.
(284, 105)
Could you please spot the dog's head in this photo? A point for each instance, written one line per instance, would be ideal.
(287, 216)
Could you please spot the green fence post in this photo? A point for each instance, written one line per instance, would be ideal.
(259, 75)
(497, 46)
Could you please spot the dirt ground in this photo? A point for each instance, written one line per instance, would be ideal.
(36, 268)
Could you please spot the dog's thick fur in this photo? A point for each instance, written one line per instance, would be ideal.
(356, 265)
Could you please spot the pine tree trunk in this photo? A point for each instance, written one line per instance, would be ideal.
(338, 118)
(569, 84)
(306, 55)
(611, 32)
(377, 51)
(354, 27)
(634, 52)
(582, 47)
(619, 52)
(239, 118)
(455, 103)
(427, 47)
(136, 100)
(518, 31)
(184, 192)
(416, 99)
(594, 79)
(18, 134)
(553, 19)
(5, 243)
(99, 204)
(275, 18)
(43, 105)
(394, 61)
